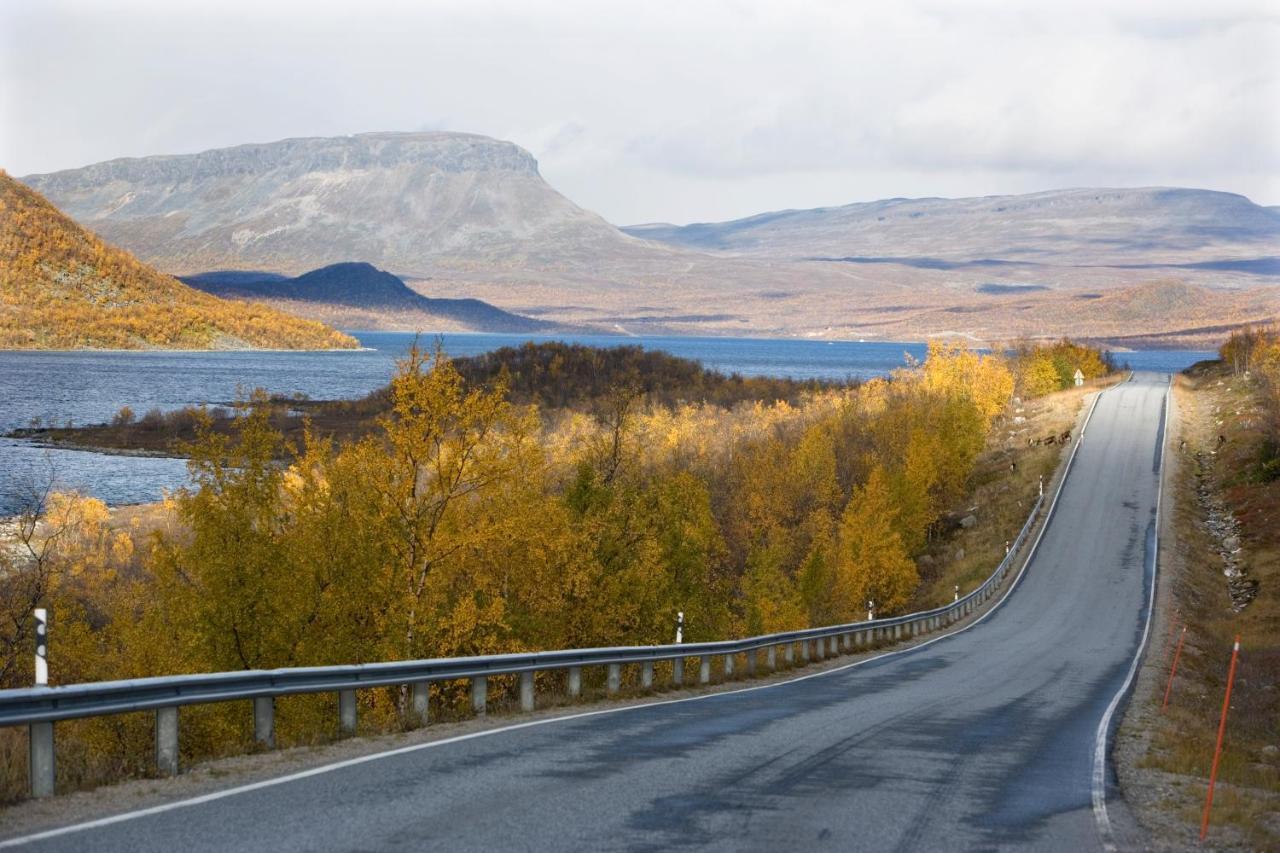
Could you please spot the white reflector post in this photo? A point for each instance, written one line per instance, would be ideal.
(42, 646)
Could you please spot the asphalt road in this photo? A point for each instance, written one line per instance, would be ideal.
(984, 739)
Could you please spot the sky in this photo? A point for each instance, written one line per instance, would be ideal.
(676, 111)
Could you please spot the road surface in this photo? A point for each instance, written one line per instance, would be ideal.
(983, 739)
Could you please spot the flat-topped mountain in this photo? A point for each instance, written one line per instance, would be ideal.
(63, 288)
(411, 203)
(367, 289)
(1078, 226)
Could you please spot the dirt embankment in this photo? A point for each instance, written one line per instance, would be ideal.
(1219, 577)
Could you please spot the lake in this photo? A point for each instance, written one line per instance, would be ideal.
(90, 387)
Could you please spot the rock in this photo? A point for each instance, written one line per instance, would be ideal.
(1231, 543)
(1019, 420)
(968, 521)
(959, 553)
(1271, 750)
(925, 560)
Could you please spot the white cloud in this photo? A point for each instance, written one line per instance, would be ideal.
(677, 111)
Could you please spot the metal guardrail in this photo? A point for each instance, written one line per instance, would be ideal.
(41, 707)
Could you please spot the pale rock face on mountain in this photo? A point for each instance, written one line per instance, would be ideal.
(408, 202)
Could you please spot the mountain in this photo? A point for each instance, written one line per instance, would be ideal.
(412, 203)
(467, 217)
(370, 292)
(1152, 226)
(63, 288)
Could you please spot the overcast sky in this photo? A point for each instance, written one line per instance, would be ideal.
(684, 111)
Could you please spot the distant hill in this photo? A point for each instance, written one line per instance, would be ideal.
(364, 287)
(1153, 226)
(63, 288)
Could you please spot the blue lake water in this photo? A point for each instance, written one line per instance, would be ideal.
(89, 387)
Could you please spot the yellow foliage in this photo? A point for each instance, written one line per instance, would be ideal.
(63, 288)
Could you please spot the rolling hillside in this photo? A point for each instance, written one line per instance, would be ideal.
(361, 295)
(63, 288)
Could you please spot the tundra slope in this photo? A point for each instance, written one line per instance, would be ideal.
(980, 739)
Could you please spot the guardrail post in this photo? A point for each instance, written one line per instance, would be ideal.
(804, 651)
(751, 662)
(789, 653)
(41, 758)
(677, 672)
(728, 666)
(479, 695)
(346, 713)
(704, 669)
(575, 681)
(420, 702)
(526, 690)
(646, 674)
(820, 648)
(167, 741)
(264, 721)
(772, 658)
(614, 682)
(833, 645)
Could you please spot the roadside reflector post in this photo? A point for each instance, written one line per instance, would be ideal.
(42, 646)
(680, 627)
(264, 721)
(167, 741)
(479, 695)
(871, 611)
(346, 713)
(1222, 730)
(40, 735)
(1174, 669)
(526, 691)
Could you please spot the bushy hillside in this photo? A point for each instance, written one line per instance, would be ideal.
(63, 288)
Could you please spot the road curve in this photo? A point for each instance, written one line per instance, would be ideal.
(983, 739)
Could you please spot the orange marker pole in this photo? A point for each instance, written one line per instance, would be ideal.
(1222, 729)
(1174, 669)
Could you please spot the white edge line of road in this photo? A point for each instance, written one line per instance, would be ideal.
(404, 750)
(1100, 739)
